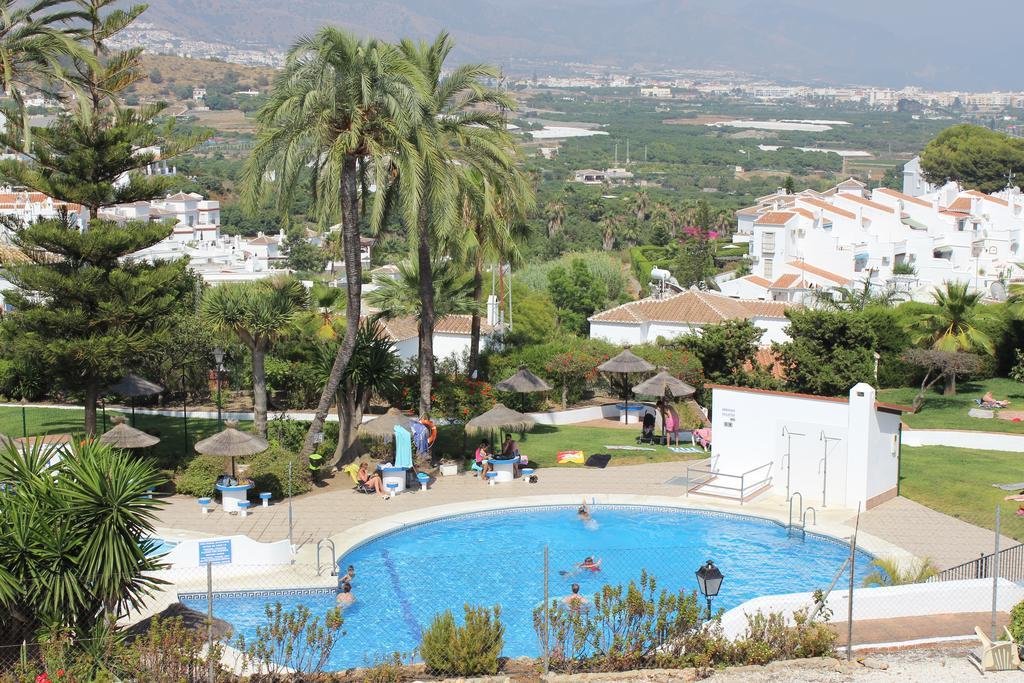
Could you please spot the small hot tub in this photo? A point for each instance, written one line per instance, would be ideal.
(631, 414)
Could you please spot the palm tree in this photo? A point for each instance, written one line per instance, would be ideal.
(374, 370)
(952, 325)
(334, 247)
(34, 38)
(400, 298)
(640, 204)
(462, 125)
(99, 71)
(342, 106)
(258, 313)
(492, 214)
(891, 572)
(324, 301)
(610, 228)
(856, 298)
(554, 212)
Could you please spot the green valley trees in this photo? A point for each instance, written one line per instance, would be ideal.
(258, 313)
(976, 157)
(85, 312)
(577, 293)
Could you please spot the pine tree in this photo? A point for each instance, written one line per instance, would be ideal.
(86, 313)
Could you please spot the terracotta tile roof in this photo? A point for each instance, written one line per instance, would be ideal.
(825, 206)
(962, 204)
(400, 329)
(775, 218)
(757, 280)
(749, 211)
(820, 272)
(9, 254)
(879, 405)
(789, 281)
(988, 197)
(693, 307)
(866, 202)
(804, 212)
(903, 197)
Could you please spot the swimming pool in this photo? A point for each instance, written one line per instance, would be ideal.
(405, 577)
(159, 546)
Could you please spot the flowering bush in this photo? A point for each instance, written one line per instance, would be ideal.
(571, 372)
(459, 399)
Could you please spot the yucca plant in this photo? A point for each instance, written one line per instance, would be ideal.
(889, 571)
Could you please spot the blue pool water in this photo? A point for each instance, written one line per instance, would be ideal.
(159, 546)
(404, 578)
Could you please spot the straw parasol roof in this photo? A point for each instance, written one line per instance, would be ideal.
(523, 382)
(499, 418)
(122, 435)
(383, 428)
(133, 385)
(190, 619)
(625, 363)
(662, 384)
(232, 443)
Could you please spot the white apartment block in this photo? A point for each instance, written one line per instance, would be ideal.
(27, 207)
(196, 219)
(809, 241)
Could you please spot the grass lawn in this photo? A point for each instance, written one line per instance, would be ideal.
(544, 443)
(170, 452)
(958, 482)
(950, 412)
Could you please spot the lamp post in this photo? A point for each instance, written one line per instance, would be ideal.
(218, 357)
(709, 580)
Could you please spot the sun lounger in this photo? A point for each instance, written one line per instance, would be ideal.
(1019, 486)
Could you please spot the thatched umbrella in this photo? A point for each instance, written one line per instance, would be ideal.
(664, 384)
(523, 382)
(499, 419)
(383, 428)
(191, 619)
(132, 386)
(625, 364)
(124, 436)
(232, 443)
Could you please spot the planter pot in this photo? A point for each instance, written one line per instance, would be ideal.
(449, 470)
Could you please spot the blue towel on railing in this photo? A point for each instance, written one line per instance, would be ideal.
(420, 436)
(403, 447)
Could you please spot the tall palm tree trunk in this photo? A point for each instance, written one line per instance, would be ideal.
(259, 389)
(92, 393)
(350, 416)
(478, 295)
(353, 290)
(426, 276)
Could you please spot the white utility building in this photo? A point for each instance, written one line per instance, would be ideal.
(836, 452)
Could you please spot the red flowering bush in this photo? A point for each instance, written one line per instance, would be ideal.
(458, 399)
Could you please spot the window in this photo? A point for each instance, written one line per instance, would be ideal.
(768, 243)
(768, 266)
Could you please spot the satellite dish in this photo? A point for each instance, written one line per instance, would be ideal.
(998, 291)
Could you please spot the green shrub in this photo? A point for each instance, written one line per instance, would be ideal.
(269, 472)
(469, 650)
(1017, 622)
(200, 476)
(768, 638)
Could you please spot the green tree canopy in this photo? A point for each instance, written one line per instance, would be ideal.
(90, 314)
(577, 294)
(828, 351)
(976, 157)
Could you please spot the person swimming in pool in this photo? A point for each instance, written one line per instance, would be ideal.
(575, 601)
(589, 564)
(584, 516)
(350, 574)
(345, 597)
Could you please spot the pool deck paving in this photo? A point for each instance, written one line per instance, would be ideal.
(899, 527)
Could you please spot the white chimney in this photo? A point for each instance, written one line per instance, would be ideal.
(492, 310)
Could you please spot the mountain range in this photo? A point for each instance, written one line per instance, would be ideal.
(930, 43)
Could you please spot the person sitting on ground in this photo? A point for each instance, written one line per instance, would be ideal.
(576, 602)
(647, 430)
(481, 455)
(989, 400)
(369, 483)
(345, 597)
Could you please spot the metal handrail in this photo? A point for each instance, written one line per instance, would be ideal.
(789, 527)
(803, 521)
(334, 558)
(1011, 566)
(707, 474)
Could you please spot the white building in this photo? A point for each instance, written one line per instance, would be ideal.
(810, 240)
(836, 452)
(27, 207)
(452, 335)
(658, 91)
(688, 312)
(196, 219)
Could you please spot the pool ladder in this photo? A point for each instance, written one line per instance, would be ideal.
(801, 514)
(326, 543)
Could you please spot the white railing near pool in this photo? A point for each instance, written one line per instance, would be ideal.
(704, 479)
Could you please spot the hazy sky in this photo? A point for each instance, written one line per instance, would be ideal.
(934, 43)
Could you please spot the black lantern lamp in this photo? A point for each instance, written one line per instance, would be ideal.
(709, 580)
